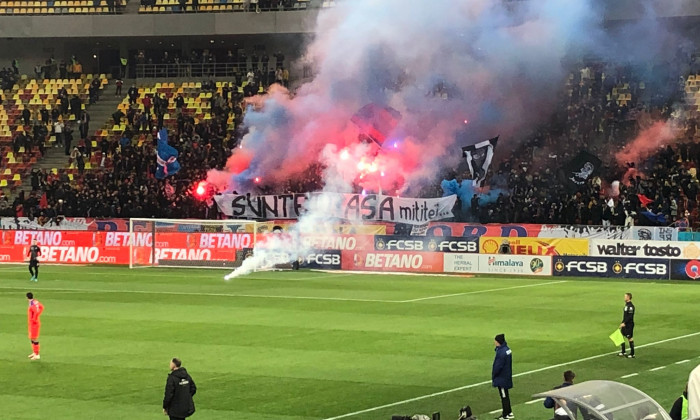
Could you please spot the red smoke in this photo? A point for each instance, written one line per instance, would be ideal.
(649, 140)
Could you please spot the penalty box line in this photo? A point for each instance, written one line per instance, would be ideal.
(245, 295)
(530, 372)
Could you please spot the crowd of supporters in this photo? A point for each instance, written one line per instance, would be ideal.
(124, 184)
(529, 185)
(9, 76)
(526, 185)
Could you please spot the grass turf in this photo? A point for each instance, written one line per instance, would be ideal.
(309, 346)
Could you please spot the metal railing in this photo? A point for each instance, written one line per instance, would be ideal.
(151, 71)
(252, 6)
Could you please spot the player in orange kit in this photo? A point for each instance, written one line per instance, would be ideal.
(33, 314)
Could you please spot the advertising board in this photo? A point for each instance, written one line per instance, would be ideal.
(535, 246)
(636, 268)
(426, 243)
(526, 265)
(106, 247)
(644, 249)
(322, 259)
(461, 263)
(424, 262)
(685, 270)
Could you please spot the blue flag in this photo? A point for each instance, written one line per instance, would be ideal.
(657, 218)
(166, 156)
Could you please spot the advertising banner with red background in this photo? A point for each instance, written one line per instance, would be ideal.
(422, 262)
(80, 247)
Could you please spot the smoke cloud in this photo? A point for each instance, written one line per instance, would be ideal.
(494, 64)
(647, 142)
(475, 67)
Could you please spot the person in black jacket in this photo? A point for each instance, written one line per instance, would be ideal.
(679, 411)
(505, 247)
(560, 413)
(502, 375)
(179, 389)
(627, 326)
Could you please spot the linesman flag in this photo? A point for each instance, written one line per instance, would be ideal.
(479, 158)
(617, 337)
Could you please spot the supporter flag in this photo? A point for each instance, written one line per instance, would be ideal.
(644, 200)
(658, 219)
(376, 121)
(479, 158)
(582, 168)
(166, 156)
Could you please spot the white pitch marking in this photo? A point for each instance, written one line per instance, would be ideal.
(657, 368)
(245, 295)
(146, 292)
(461, 388)
(535, 401)
(629, 376)
(683, 361)
(483, 291)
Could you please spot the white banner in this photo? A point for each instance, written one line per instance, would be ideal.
(582, 231)
(358, 207)
(527, 265)
(461, 263)
(644, 249)
(650, 233)
(25, 223)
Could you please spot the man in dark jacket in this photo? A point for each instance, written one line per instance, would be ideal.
(133, 94)
(560, 413)
(502, 375)
(179, 389)
(679, 411)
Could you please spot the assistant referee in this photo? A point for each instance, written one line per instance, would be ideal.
(627, 326)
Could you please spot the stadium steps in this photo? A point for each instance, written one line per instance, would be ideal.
(100, 112)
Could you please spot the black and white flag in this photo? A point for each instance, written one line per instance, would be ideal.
(581, 169)
(479, 158)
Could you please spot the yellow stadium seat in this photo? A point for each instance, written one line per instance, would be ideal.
(16, 177)
(8, 171)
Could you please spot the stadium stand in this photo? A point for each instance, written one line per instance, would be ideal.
(24, 128)
(61, 7)
(217, 6)
(116, 178)
(598, 112)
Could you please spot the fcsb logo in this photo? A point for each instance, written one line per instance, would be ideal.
(648, 269)
(586, 266)
(323, 259)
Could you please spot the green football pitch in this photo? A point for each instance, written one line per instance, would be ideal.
(311, 345)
